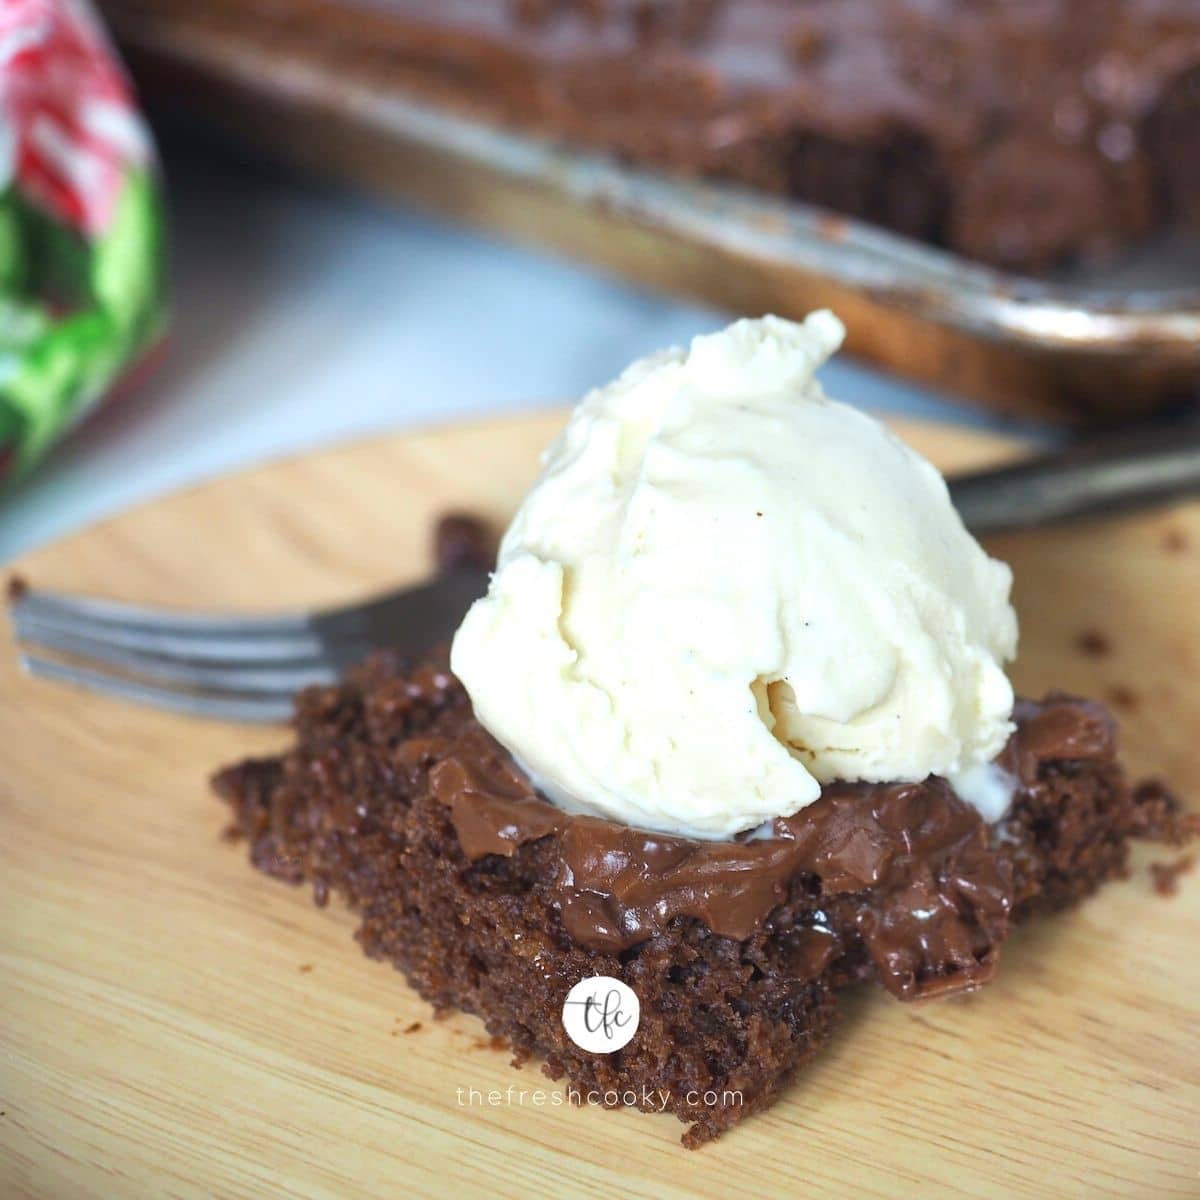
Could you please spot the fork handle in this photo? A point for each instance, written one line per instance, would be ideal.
(1116, 472)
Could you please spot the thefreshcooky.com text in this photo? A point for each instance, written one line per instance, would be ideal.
(651, 1099)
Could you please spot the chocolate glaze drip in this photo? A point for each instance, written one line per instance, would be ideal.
(910, 869)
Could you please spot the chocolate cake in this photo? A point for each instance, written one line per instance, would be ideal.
(1023, 133)
(493, 901)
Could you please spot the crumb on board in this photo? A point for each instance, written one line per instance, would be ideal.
(1175, 541)
(492, 1043)
(18, 586)
(305, 968)
(1166, 874)
(1123, 697)
(415, 1027)
(1093, 643)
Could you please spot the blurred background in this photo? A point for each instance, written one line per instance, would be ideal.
(340, 265)
(301, 314)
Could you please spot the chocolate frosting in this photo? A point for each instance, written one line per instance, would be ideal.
(931, 886)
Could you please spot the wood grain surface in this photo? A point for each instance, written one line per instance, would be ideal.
(173, 1023)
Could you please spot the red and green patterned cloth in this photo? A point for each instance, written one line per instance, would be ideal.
(81, 225)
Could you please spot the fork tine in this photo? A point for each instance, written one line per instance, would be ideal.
(233, 668)
(39, 624)
(228, 706)
(61, 607)
(282, 676)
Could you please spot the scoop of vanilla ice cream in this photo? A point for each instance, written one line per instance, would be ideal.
(726, 589)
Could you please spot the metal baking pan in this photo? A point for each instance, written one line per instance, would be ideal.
(1078, 350)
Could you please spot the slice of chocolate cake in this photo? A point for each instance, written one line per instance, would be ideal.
(493, 901)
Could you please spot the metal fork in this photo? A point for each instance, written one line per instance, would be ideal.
(227, 667)
(249, 668)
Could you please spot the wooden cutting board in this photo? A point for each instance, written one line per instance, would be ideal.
(174, 1023)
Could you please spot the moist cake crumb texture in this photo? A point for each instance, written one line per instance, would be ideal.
(395, 799)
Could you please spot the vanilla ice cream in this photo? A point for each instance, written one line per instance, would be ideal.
(726, 589)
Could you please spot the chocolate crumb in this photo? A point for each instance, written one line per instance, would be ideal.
(1123, 697)
(305, 968)
(1166, 874)
(1175, 541)
(462, 541)
(231, 833)
(1093, 643)
(18, 586)
(492, 1043)
(415, 1027)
